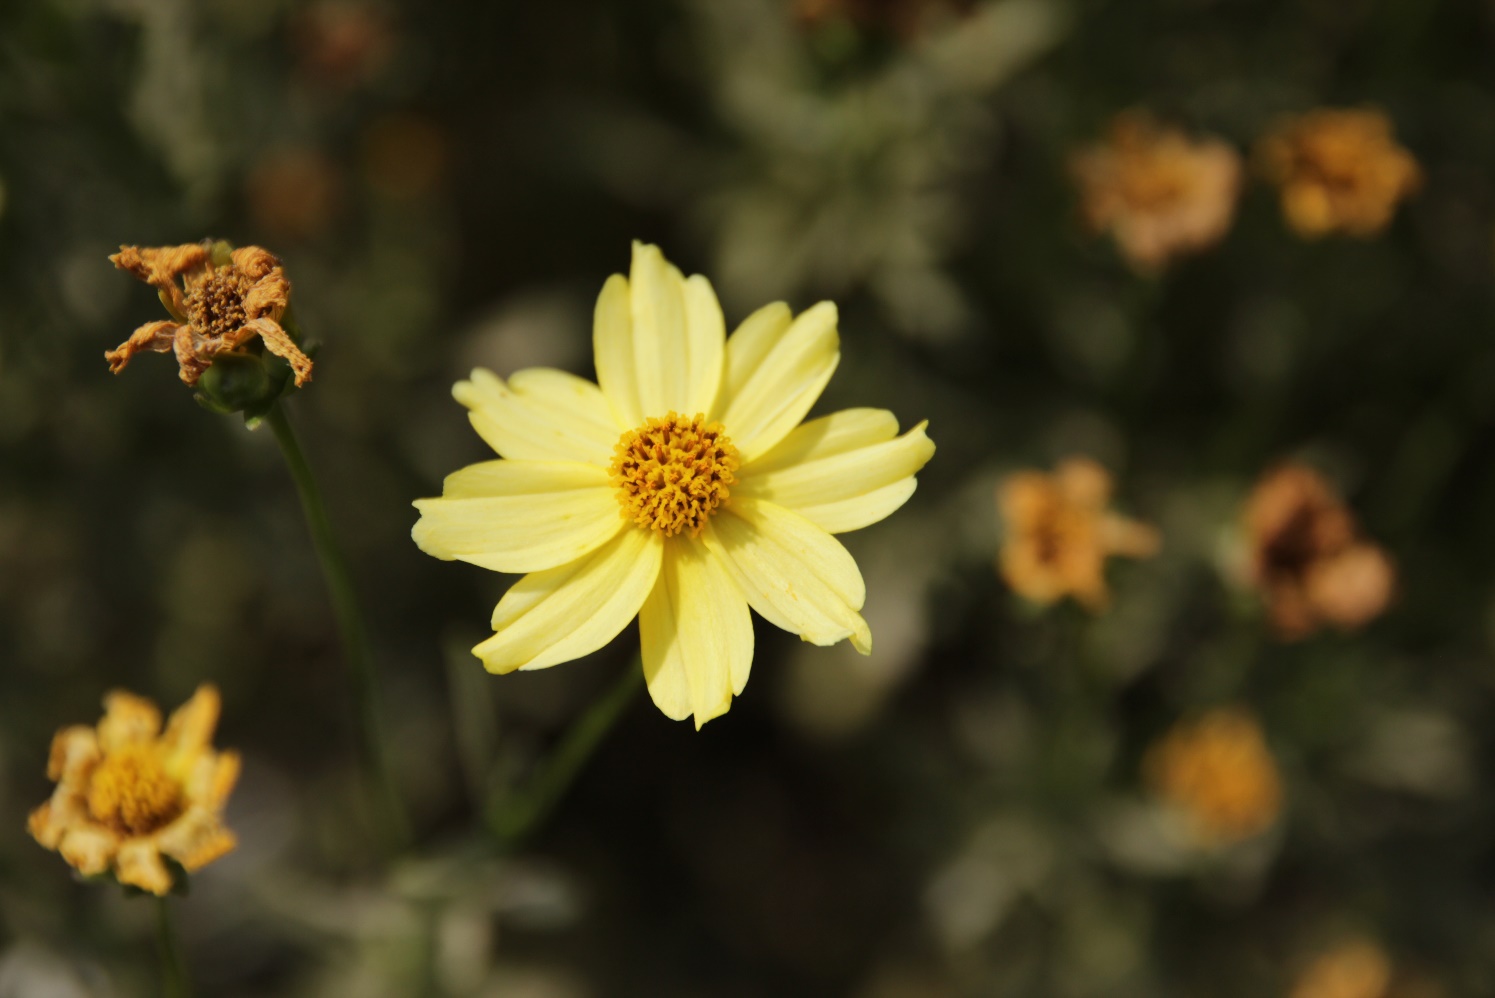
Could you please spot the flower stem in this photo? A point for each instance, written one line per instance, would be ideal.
(515, 815)
(362, 675)
(174, 982)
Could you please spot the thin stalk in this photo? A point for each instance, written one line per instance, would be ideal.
(362, 676)
(515, 815)
(174, 981)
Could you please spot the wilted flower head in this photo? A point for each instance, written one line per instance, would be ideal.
(1059, 533)
(1217, 771)
(1159, 193)
(682, 490)
(220, 300)
(128, 794)
(1340, 170)
(1355, 969)
(1307, 558)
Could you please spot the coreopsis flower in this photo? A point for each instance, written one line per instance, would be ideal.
(1158, 192)
(222, 302)
(682, 490)
(1355, 969)
(1307, 558)
(1339, 170)
(1217, 771)
(1059, 531)
(128, 793)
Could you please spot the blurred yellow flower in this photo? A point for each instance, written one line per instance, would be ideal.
(128, 794)
(1340, 170)
(1059, 533)
(1307, 558)
(1356, 969)
(682, 490)
(1159, 193)
(217, 308)
(1218, 771)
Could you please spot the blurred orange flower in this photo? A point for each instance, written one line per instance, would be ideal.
(343, 43)
(293, 193)
(220, 305)
(1307, 558)
(1059, 533)
(1340, 170)
(1356, 969)
(128, 794)
(1159, 193)
(1218, 771)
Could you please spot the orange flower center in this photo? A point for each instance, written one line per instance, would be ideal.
(132, 793)
(215, 305)
(673, 473)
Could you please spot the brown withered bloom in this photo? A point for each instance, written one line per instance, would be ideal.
(1060, 531)
(1158, 192)
(1307, 557)
(1340, 170)
(216, 308)
(1218, 772)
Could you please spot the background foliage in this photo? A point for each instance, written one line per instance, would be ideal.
(960, 814)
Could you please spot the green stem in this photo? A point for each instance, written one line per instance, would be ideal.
(174, 982)
(362, 675)
(514, 816)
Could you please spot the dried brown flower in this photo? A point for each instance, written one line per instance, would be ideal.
(1159, 193)
(216, 308)
(1340, 170)
(1307, 558)
(1059, 533)
(1218, 771)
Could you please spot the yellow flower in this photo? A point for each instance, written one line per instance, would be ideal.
(221, 305)
(682, 490)
(1060, 531)
(127, 794)
(1218, 771)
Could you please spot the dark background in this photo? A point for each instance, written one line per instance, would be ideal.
(449, 185)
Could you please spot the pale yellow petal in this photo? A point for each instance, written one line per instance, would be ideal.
(656, 296)
(212, 778)
(540, 415)
(567, 612)
(696, 634)
(825, 477)
(128, 719)
(792, 572)
(837, 433)
(519, 516)
(706, 332)
(612, 348)
(139, 865)
(846, 515)
(88, 848)
(74, 751)
(775, 373)
(195, 839)
(190, 729)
